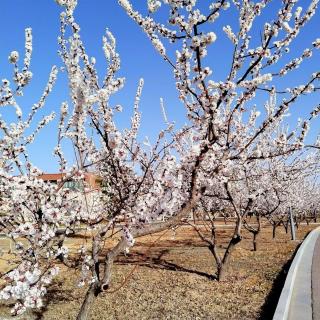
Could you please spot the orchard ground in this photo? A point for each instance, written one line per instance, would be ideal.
(173, 280)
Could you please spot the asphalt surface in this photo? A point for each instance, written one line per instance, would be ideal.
(316, 281)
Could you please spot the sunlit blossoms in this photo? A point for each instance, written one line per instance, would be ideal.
(13, 57)
(235, 156)
(232, 138)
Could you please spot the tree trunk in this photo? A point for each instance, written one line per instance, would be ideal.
(97, 287)
(256, 233)
(274, 231)
(223, 268)
(100, 285)
(286, 225)
(255, 242)
(92, 292)
(213, 250)
(221, 272)
(236, 238)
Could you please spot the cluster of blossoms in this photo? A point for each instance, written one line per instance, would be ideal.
(27, 285)
(35, 215)
(203, 40)
(316, 43)
(153, 5)
(230, 34)
(256, 81)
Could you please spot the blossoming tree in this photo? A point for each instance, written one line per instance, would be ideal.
(226, 132)
(239, 119)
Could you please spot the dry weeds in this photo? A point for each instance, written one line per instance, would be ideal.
(173, 281)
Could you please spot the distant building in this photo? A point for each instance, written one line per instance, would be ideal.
(92, 180)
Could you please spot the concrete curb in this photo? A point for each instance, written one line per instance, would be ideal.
(315, 284)
(295, 300)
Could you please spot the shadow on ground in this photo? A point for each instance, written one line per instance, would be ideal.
(156, 260)
(55, 294)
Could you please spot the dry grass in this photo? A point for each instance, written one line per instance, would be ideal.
(172, 281)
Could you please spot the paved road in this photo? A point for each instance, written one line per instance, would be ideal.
(316, 281)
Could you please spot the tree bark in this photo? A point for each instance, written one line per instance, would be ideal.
(255, 242)
(274, 231)
(286, 226)
(92, 292)
(221, 272)
(213, 250)
(223, 268)
(297, 221)
(231, 246)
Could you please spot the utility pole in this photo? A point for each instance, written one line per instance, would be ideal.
(293, 230)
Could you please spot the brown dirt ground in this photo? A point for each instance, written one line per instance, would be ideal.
(172, 281)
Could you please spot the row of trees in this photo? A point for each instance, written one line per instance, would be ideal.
(258, 195)
(235, 157)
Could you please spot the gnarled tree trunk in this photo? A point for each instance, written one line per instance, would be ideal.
(223, 266)
(100, 286)
(87, 303)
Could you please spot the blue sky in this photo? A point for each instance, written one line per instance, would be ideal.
(138, 58)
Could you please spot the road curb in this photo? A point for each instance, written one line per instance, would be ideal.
(315, 284)
(295, 300)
